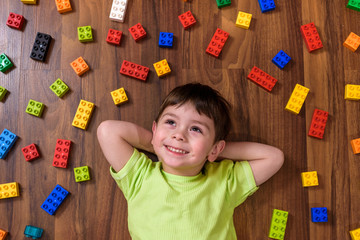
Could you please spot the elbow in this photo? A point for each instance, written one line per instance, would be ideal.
(278, 159)
(104, 129)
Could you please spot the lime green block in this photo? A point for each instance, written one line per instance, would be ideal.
(278, 224)
(59, 88)
(82, 174)
(3, 92)
(35, 108)
(85, 34)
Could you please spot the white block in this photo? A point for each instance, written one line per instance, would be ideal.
(118, 10)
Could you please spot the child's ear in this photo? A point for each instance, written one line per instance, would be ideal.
(216, 150)
(153, 127)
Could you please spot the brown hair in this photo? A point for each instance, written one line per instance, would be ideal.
(206, 101)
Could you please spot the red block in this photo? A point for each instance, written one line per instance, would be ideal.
(261, 78)
(61, 155)
(30, 152)
(311, 37)
(217, 42)
(134, 70)
(137, 32)
(114, 36)
(318, 123)
(15, 21)
(187, 19)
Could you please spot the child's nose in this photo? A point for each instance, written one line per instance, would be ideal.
(178, 135)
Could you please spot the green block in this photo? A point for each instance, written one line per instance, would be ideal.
(278, 224)
(82, 174)
(59, 87)
(3, 92)
(35, 108)
(85, 34)
(223, 3)
(5, 63)
(354, 4)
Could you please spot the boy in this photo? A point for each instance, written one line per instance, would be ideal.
(187, 194)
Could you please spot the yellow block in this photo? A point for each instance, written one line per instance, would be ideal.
(162, 68)
(119, 96)
(243, 20)
(8, 190)
(309, 179)
(352, 92)
(355, 234)
(28, 1)
(297, 99)
(83, 114)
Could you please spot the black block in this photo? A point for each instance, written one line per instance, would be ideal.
(40, 47)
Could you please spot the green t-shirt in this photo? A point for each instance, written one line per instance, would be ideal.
(163, 206)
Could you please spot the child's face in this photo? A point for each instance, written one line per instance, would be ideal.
(183, 140)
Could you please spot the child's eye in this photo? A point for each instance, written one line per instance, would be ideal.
(171, 122)
(196, 129)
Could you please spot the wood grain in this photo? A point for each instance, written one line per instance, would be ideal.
(97, 209)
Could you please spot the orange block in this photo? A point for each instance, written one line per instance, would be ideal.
(3, 234)
(80, 66)
(352, 42)
(63, 5)
(355, 144)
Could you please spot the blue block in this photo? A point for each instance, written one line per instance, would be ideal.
(54, 200)
(319, 215)
(281, 59)
(7, 140)
(266, 5)
(166, 39)
(33, 232)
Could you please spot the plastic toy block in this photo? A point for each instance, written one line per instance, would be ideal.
(261, 78)
(3, 234)
(352, 42)
(266, 5)
(28, 1)
(7, 140)
(118, 10)
(35, 108)
(61, 155)
(217, 42)
(40, 47)
(318, 123)
(223, 3)
(137, 32)
(80, 67)
(187, 19)
(319, 215)
(119, 96)
(59, 88)
(281, 59)
(33, 232)
(15, 21)
(297, 99)
(355, 234)
(114, 36)
(63, 6)
(9, 190)
(5, 63)
(30, 152)
(54, 200)
(278, 224)
(83, 114)
(82, 174)
(162, 68)
(134, 70)
(243, 20)
(311, 37)
(354, 4)
(85, 34)
(3, 92)
(166, 39)
(352, 92)
(309, 179)
(355, 144)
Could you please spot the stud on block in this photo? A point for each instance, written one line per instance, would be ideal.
(217, 42)
(59, 88)
(35, 108)
(61, 155)
(297, 99)
(5, 63)
(114, 36)
(309, 179)
(162, 68)
(319, 215)
(7, 140)
(278, 224)
(15, 21)
(40, 47)
(63, 6)
(83, 114)
(85, 34)
(54, 200)
(82, 174)
(318, 123)
(311, 37)
(30, 152)
(262, 79)
(134, 70)
(187, 19)
(80, 67)
(243, 20)
(281, 59)
(119, 96)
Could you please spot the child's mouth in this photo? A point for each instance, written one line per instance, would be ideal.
(176, 150)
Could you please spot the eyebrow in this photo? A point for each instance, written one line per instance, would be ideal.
(195, 121)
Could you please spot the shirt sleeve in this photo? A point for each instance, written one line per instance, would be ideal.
(131, 176)
(241, 182)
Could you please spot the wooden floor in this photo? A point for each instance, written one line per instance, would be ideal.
(97, 209)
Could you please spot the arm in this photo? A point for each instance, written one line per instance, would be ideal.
(264, 160)
(118, 138)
